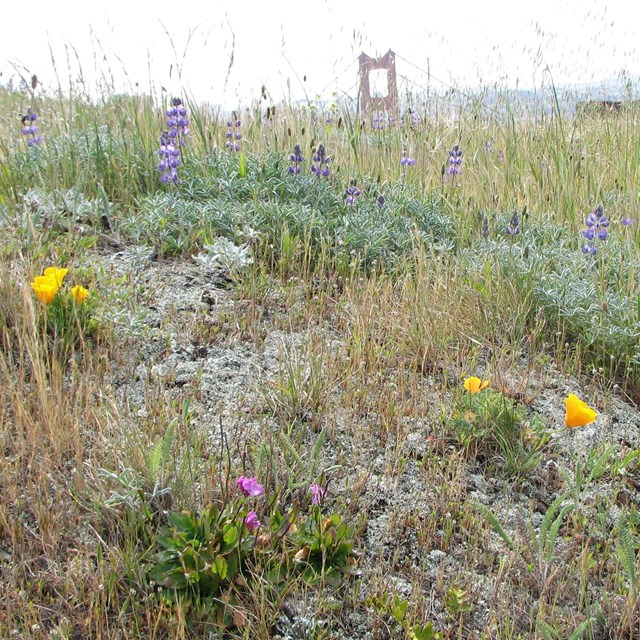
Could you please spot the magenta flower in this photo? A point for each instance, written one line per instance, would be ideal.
(318, 493)
(251, 521)
(249, 486)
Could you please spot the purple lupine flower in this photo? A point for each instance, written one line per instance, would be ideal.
(177, 122)
(171, 140)
(169, 159)
(296, 160)
(351, 194)
(406, 161)
(249, 486)
(627, 222)
(596, 225)
(233, 135)
(454, 163)
(318, 493)
(380, 201)
(413, 118)
(513, 228)
(485, 227)
(377, 122)
(251, 521)
(30, 129)
(321, 161)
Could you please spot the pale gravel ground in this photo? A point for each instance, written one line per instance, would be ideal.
(226, 381)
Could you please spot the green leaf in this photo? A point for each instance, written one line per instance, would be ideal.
(220, 567)
(399, 609)
(423, 632)
(230, 535)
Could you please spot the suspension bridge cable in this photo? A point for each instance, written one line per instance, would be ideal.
(339, 75)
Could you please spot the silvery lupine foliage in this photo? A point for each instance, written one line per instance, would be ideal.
(454, 163)
(351, 194)
(513, 228)
(30, 129)
(320, 162)
(296, 160)
(224, 253)
(171, 140)
(596, 230)
(234, 135)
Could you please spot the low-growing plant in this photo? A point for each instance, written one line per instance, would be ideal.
(600, 461)
(325, 547)
(206, 560)
(488, 423)
(67, 315)
(397, 608)
(201, 555)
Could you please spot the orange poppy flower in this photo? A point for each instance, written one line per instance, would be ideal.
(578, 413)
(473, 384)
(56, 274)
(79, 294)
(45, 288)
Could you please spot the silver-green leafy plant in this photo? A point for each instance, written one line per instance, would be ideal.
(223, 253)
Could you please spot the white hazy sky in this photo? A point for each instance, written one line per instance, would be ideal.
(188, 47)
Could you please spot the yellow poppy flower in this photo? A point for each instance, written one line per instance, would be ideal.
(473, 384)
(79, 293)
(45, 288)
(55, 273)
(578, 413)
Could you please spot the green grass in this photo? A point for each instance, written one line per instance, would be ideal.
(335, 357)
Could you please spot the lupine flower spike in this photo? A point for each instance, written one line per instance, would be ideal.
(296, 160)
(321, 162)
(171, 140)
(169, 160)
(485, 227)
(377, 121)
(234, 135)
(177, 121)
(352, 193)
(513, 228)
(454, 163)
(596, 230)
(406, 161)
(30, 129)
